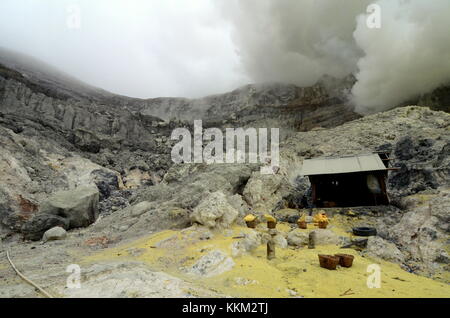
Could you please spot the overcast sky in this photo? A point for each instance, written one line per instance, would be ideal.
(191, 48)
(140, 48)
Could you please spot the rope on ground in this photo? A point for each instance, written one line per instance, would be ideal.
(26, 279)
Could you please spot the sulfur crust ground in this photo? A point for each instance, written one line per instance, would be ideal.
(297, 270)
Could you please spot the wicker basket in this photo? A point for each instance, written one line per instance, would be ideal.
(302, 224)
(345, 260)
(328, 261)
(323, 224)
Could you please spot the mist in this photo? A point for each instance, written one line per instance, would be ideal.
(138, 48)
(300, 41)
(153, 48)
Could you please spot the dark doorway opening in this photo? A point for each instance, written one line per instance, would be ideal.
(349, 189)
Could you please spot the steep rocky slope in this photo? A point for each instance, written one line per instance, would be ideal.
(56, 129)
(412, 233)
(59, 135)
(417, 140)
(262, 105)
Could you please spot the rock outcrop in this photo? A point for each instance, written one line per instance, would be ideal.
(78, 206)
(69, 209)
(262, 192)
(35, 228)
(212, 264)
(215, 212)
(378, 247)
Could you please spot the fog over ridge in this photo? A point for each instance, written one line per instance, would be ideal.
(152, 48)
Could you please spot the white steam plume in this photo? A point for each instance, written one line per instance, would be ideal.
(408, 56)
(300, 41)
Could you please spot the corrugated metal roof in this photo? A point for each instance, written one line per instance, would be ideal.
(317, 166)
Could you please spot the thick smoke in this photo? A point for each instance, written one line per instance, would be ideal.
(300, 41)
(408, 56)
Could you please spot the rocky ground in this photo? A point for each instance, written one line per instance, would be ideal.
(95, 170)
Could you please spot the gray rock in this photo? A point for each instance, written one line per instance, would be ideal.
(131, 279)
(215, 211)
(421, 231)
(212, 264)
(240, 205)
(280, 241)
(78, 206)
(287, 215)
(55, 233)
(36, 226)
(106, 182)
(433, 158)
(297, 237)
(325, 237)
(140, 208)
(262, 191)
(377, 247)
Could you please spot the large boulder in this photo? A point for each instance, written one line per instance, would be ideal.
(36, 226)
(420, 232)
(131, 279)
(215, 211)
(380, 248)
(78, 206)
(263, 192)
(67, 209)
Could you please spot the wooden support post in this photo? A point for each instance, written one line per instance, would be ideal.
(312, 240)
(271, 243)
(271, 249)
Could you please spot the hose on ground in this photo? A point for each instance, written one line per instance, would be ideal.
(29, 281)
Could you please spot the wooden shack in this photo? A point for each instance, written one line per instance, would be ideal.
(348, 181)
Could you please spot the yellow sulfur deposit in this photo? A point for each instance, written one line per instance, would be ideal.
(249, 218)
(270, 218)
(320, 217)
(293, 273)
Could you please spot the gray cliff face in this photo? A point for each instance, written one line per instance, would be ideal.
(80, 119)
(259, 105)
(62, 133)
